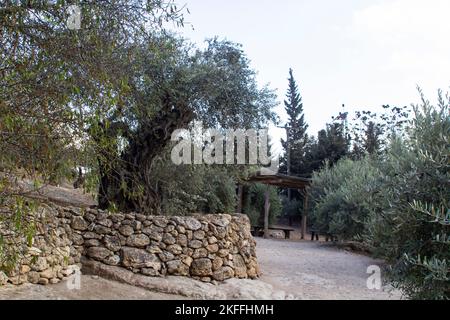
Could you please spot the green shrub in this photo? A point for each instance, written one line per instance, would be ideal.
(398, 203)
(413, 231)
(342, 196)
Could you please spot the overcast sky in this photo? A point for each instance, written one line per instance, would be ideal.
(361, 53)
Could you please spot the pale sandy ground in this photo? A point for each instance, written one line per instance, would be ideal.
(92, 288)
(313, 270)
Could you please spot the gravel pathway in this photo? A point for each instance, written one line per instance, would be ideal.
(316, 270)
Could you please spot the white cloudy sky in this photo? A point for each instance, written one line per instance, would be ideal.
(361, 53)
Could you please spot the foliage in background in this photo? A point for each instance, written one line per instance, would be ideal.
(198, 188)
(254, 203)
(398, 203)
(109, 95)
(291, 208)
(169, 91)
(342, 197)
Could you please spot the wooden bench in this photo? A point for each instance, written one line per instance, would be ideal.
(259, 231)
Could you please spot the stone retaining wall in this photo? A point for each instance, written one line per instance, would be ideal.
(52, 255)
(205, 247)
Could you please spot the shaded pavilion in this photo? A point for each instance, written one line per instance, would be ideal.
(282, 181)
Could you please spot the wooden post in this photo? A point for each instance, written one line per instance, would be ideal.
(240, 198)
(305, 215)
(266, 214)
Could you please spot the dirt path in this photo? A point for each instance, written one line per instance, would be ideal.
(92, 288)
(313, 270)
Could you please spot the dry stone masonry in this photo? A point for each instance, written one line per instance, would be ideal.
(205, 247)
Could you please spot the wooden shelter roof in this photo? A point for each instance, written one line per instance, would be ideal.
(281, 180)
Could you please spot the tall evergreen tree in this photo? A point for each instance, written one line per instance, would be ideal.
(296, 137)
(371, 141)
(331, 145)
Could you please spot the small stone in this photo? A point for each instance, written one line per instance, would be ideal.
(105, 222)
(195, 244)
(141, 217)
(112, 243)
(77, 239)
(24, 269)
(200, 253)
(91, 235)
(139, 258)
(54, 280)
(217, 263)
(153, 249)
(212, 247)
(201, 267)
(137, 225)
(154, 232)
(89, 217)
(138, 240)
(126, 230)
(113, 260)
(220, 232)
(33, 277)
(192, 224)
(221, 220)
(169, 228)
(199, 234)
(75, 211)
(98, 253)
(14, 280)
(34, 251)
(212, 240)
(43, 281)
(175, 249)
(177, 267)
(166, 256)
(40, 264)
(223, 273)
(168, 239)
(101, 215)
(223, 253)
(187, 260)
(182, 240)
(78, 223)
(117, 217)
(92, 243)
(160, 221)
(102, 229)
(48, 273)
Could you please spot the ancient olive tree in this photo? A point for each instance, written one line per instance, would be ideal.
(168, 86)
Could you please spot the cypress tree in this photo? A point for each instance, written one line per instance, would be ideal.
(295, 143)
